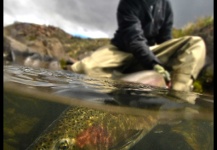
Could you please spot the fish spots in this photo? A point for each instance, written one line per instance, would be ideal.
(94, 135)
(85, 128)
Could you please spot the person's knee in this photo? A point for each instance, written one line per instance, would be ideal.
(197, 39)
(198, 54)
(198, 44)
(194, 38)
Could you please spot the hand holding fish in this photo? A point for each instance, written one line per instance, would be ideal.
(158, 68)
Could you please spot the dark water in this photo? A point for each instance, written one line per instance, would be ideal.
(34, 98)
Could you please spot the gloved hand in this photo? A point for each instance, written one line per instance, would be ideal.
(158, 68)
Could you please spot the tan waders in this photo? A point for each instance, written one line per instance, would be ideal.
(184, 57)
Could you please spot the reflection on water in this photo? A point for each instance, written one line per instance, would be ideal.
(103, 113)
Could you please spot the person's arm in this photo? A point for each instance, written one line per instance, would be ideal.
(165, 33)
(131, 32)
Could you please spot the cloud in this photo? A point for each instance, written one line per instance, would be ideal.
(73, 16)
(92, 18)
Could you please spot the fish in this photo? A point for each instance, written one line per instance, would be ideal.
(81, 128)
(147, 77)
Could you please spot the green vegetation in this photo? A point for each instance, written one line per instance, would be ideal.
(192, 27)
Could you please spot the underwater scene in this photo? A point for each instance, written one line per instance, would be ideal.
(61, 110)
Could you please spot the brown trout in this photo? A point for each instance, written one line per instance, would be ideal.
(89, 129)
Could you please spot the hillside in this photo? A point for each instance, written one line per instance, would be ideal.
(33, 34)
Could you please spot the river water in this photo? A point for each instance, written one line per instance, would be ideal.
(34, 98)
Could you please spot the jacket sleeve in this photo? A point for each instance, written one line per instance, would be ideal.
(165, 33)
(131, 33)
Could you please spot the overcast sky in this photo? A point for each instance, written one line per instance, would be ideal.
(91, 18)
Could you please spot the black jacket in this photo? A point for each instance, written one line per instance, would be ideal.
(140, 26)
